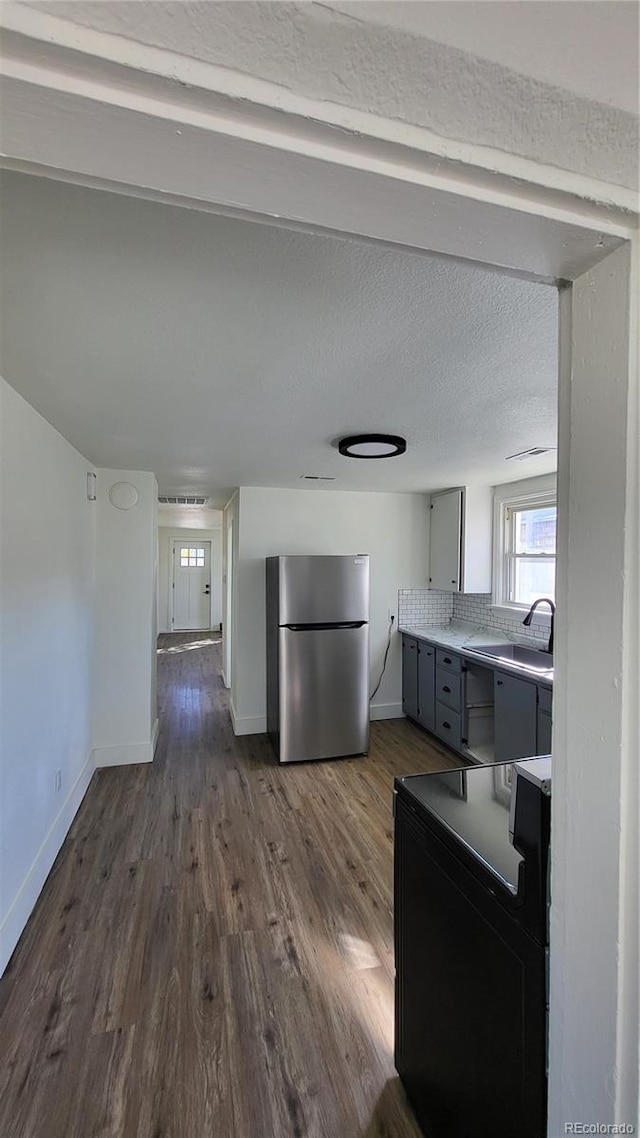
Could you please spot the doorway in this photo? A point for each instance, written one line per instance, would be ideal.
(191, 585)
(228, 606)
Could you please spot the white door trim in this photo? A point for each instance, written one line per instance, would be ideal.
(596, 739)
(227, 628)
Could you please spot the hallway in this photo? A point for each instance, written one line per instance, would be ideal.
(212, 954)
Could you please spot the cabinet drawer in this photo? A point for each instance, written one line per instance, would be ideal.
(448, 725)
(448, 689)
(448, 660)
(545, 699)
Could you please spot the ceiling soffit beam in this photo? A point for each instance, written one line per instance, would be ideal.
(47, 41)
(82, 116)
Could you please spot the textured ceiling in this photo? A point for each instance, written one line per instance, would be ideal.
(219, 353)
(588, 47)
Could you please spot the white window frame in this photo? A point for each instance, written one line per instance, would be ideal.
(530, 493)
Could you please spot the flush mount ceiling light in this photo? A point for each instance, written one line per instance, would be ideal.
(372, 446)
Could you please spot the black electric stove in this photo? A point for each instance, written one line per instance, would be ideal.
(471, 919)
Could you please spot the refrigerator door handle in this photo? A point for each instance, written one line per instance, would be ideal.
(319, 627)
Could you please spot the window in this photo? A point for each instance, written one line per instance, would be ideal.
(525, 547)
(530, 570)
(192, 558)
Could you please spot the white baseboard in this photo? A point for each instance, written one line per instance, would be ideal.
(257, 724)
(125, 754)
(248, 725)
(22, 905)
(386, 711)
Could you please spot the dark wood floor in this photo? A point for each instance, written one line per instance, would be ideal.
(212, 954)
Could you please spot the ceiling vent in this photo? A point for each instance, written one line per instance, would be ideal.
(317, 477)
(533, 452)
(181, 500)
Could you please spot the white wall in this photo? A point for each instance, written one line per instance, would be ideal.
(188, 517)
(78, 631)
(391, 528)
(124, 710)
(46, 615)
(166, 536)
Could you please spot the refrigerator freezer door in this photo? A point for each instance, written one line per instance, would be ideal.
(329, 590)
(324, 693)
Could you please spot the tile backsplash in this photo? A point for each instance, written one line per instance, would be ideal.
(424, 606)
(430, 606)
(478, 608)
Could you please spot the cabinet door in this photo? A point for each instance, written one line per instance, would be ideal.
(445, 541)
(426, 685)
(515, 716)
(544, 732)
(410, 676)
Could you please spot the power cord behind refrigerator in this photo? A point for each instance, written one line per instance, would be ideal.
(384, 662)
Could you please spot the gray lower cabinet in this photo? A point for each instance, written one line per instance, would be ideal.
(418, 681)
(426, 685)
(515, 717)
(410, 676)
(440, 691)
(545, 697)
(544, 733)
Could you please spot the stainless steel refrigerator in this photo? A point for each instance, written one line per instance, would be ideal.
(318, 656)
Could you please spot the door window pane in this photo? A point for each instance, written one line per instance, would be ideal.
(192, 558)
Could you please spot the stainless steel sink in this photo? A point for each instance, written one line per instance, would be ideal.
(531, 659)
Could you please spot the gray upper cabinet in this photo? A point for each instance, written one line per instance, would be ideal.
(515, 717)
(460, 540)
(410, 676)
(426, 685)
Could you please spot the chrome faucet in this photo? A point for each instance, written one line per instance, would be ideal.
(528, 617)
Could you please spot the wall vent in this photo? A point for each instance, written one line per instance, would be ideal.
(532, 452)
(181, 500)
(317, 477)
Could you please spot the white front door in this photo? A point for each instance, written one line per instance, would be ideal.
(191, 585)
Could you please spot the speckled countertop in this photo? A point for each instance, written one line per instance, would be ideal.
(464, 636)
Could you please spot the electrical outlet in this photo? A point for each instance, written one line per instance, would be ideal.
(58, 781)
(391, 614)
